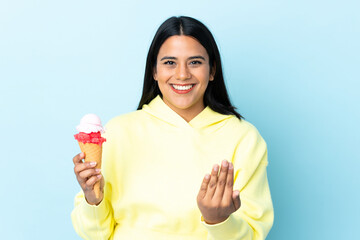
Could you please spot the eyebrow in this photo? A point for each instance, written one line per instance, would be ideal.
(193, 57)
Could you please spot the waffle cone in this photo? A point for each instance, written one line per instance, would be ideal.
(93, 153)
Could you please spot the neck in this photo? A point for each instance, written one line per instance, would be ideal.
(189, 113)
(187, 116)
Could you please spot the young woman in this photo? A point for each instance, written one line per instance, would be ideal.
(160, 174)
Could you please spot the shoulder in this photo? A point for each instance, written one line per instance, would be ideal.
(251, 147)
(124, 120)
(248, 136)
(124, 124)
(243, 127)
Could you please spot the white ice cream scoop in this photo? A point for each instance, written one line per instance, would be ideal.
(90, 123)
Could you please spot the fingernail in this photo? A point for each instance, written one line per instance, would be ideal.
(207, 176)
(225, 163)
(231, 166)
(216, 167)
(97, 170)
(92, 164)
(81, 154)
(98, 176)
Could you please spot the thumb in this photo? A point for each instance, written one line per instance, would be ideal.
(236, 199)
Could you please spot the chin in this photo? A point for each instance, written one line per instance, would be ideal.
(183, 104)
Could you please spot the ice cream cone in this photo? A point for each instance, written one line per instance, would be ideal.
(90, 142)
(93, 153)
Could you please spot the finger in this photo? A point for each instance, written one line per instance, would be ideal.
(81, 181)
(213, 181)
(78, 158)
(83, 176)
(236, 199)
(204, 186)
(228, 192)
(91, 182)
(88, 173)
(220, 187)
(86, 165)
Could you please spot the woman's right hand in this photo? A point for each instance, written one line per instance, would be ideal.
(87, 175)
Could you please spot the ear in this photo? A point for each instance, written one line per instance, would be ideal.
(154, 74)
(213, 71)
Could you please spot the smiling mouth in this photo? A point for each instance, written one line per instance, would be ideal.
(182, 87)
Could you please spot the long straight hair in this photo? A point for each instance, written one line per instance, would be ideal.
(216, 96)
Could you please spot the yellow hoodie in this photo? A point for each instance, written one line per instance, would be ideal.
(153, 165)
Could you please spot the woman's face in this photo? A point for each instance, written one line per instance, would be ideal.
(183, 73)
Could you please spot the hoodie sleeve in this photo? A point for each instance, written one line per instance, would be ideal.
(90, 221)
(254, 219)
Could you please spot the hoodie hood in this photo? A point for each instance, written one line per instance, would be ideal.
(158, 108)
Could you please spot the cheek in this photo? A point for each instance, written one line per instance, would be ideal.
(202, 72)
(203, 76)
(163, 74)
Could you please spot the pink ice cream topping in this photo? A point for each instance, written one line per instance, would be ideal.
(93, 137)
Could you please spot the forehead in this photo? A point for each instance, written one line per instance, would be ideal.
(182, 46)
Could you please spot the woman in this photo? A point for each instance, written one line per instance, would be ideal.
(155, 161)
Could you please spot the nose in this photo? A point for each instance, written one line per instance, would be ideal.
(182, 72)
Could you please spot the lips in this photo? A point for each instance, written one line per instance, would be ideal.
(182, 88)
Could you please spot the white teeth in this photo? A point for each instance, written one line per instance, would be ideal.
(177, 87)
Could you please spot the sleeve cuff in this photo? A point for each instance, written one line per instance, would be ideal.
(223, 229)
(95, 211)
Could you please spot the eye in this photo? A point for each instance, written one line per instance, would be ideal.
(196, 62)
(169, 62)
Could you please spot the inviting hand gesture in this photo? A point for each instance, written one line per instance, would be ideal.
(216, 199)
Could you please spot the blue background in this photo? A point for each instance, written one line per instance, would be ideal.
(291, 67)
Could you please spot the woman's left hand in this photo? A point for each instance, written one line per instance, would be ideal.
(216, 199)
